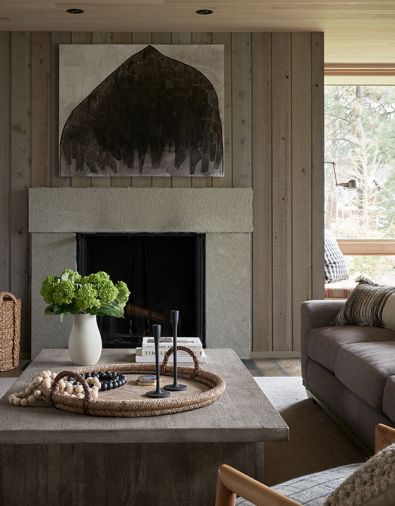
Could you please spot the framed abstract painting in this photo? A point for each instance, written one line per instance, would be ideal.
(141, 110)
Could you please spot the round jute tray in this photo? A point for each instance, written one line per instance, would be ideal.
(203, 388)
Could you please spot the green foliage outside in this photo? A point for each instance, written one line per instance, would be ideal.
(95, 294)
(359, 137)
(380, 269)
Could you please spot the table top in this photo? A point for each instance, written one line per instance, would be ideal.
(241, 414)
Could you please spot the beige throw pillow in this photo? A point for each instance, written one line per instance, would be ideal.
(373, 484)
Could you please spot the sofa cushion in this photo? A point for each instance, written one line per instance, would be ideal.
(324, 343)
(364, 367)
(389, 398)
(312, 489)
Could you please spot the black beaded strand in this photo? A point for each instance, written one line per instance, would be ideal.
(108, 380)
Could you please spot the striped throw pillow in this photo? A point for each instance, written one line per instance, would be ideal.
(335, 265)
(369, 304)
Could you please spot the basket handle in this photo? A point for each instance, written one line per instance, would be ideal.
(8, 295)
(77, 377)
(165, 361)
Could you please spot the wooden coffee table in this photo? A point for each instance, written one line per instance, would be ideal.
(58, 458)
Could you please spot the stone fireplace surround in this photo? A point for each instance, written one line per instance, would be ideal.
(56, 215)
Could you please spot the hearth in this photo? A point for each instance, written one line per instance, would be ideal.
(163, 271)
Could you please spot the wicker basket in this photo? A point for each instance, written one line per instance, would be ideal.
(10, 331)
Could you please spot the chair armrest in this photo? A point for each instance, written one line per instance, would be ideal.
(315, 314)
(231, 482)
(384, 436)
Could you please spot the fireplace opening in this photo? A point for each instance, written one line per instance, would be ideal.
(163, 272)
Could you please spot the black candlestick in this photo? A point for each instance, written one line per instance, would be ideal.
(158, 393)
(175, 387)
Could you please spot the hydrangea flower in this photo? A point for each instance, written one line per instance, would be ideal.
(63, 293)
(95, 294)
(97, 277)
(70, 275)
(123, 292)
(86, 298)
(47, 288)
(106, 291)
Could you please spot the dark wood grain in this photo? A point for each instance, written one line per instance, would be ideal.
(114, 474)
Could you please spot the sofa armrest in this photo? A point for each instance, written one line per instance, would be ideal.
(315, 314)
(319, 313)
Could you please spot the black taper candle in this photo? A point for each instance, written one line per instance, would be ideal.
(158, 393)
(174, 318)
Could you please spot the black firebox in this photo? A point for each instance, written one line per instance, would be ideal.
(163, 272)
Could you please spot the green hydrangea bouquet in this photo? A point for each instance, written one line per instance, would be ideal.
(95, 294)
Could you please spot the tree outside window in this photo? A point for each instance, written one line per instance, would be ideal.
(360, 138)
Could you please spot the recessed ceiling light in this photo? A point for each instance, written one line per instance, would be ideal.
(204, 12)
(75, 11)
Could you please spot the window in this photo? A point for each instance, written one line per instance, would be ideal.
(360, 138)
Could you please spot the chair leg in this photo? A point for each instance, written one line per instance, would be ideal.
(224, 497)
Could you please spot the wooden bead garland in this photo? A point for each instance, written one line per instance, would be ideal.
(42, 382)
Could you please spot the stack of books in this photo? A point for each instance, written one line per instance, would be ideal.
(146, 353)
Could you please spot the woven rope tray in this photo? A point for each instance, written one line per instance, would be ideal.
(129, 400)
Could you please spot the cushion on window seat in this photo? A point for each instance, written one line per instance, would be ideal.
(334, 264)
(339, 289)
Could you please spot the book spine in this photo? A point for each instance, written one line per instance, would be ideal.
(151, 353)
(166, 346)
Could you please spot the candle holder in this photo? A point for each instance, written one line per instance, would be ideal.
(158, 393)
(175, 387)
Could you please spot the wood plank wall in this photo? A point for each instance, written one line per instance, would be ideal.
(288, 182)
(273, 141)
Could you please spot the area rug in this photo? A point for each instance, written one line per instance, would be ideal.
(316, 442)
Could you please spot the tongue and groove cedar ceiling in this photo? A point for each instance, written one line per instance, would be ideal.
(359, 31)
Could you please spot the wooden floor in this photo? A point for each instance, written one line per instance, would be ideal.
(274, 367)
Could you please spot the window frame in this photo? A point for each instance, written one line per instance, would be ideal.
(367, 247)
(374, 74)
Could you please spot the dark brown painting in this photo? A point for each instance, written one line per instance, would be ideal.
(152, 115)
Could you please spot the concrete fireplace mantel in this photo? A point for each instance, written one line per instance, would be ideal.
(201, 210)
(56, 215)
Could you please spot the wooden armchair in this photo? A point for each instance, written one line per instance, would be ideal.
(231, 482)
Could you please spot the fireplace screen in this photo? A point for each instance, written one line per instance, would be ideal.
(163, 272)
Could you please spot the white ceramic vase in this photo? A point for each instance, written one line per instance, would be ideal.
(85, 343)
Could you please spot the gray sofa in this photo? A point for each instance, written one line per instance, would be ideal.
(349, 370)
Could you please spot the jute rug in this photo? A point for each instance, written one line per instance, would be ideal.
(316, 442)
